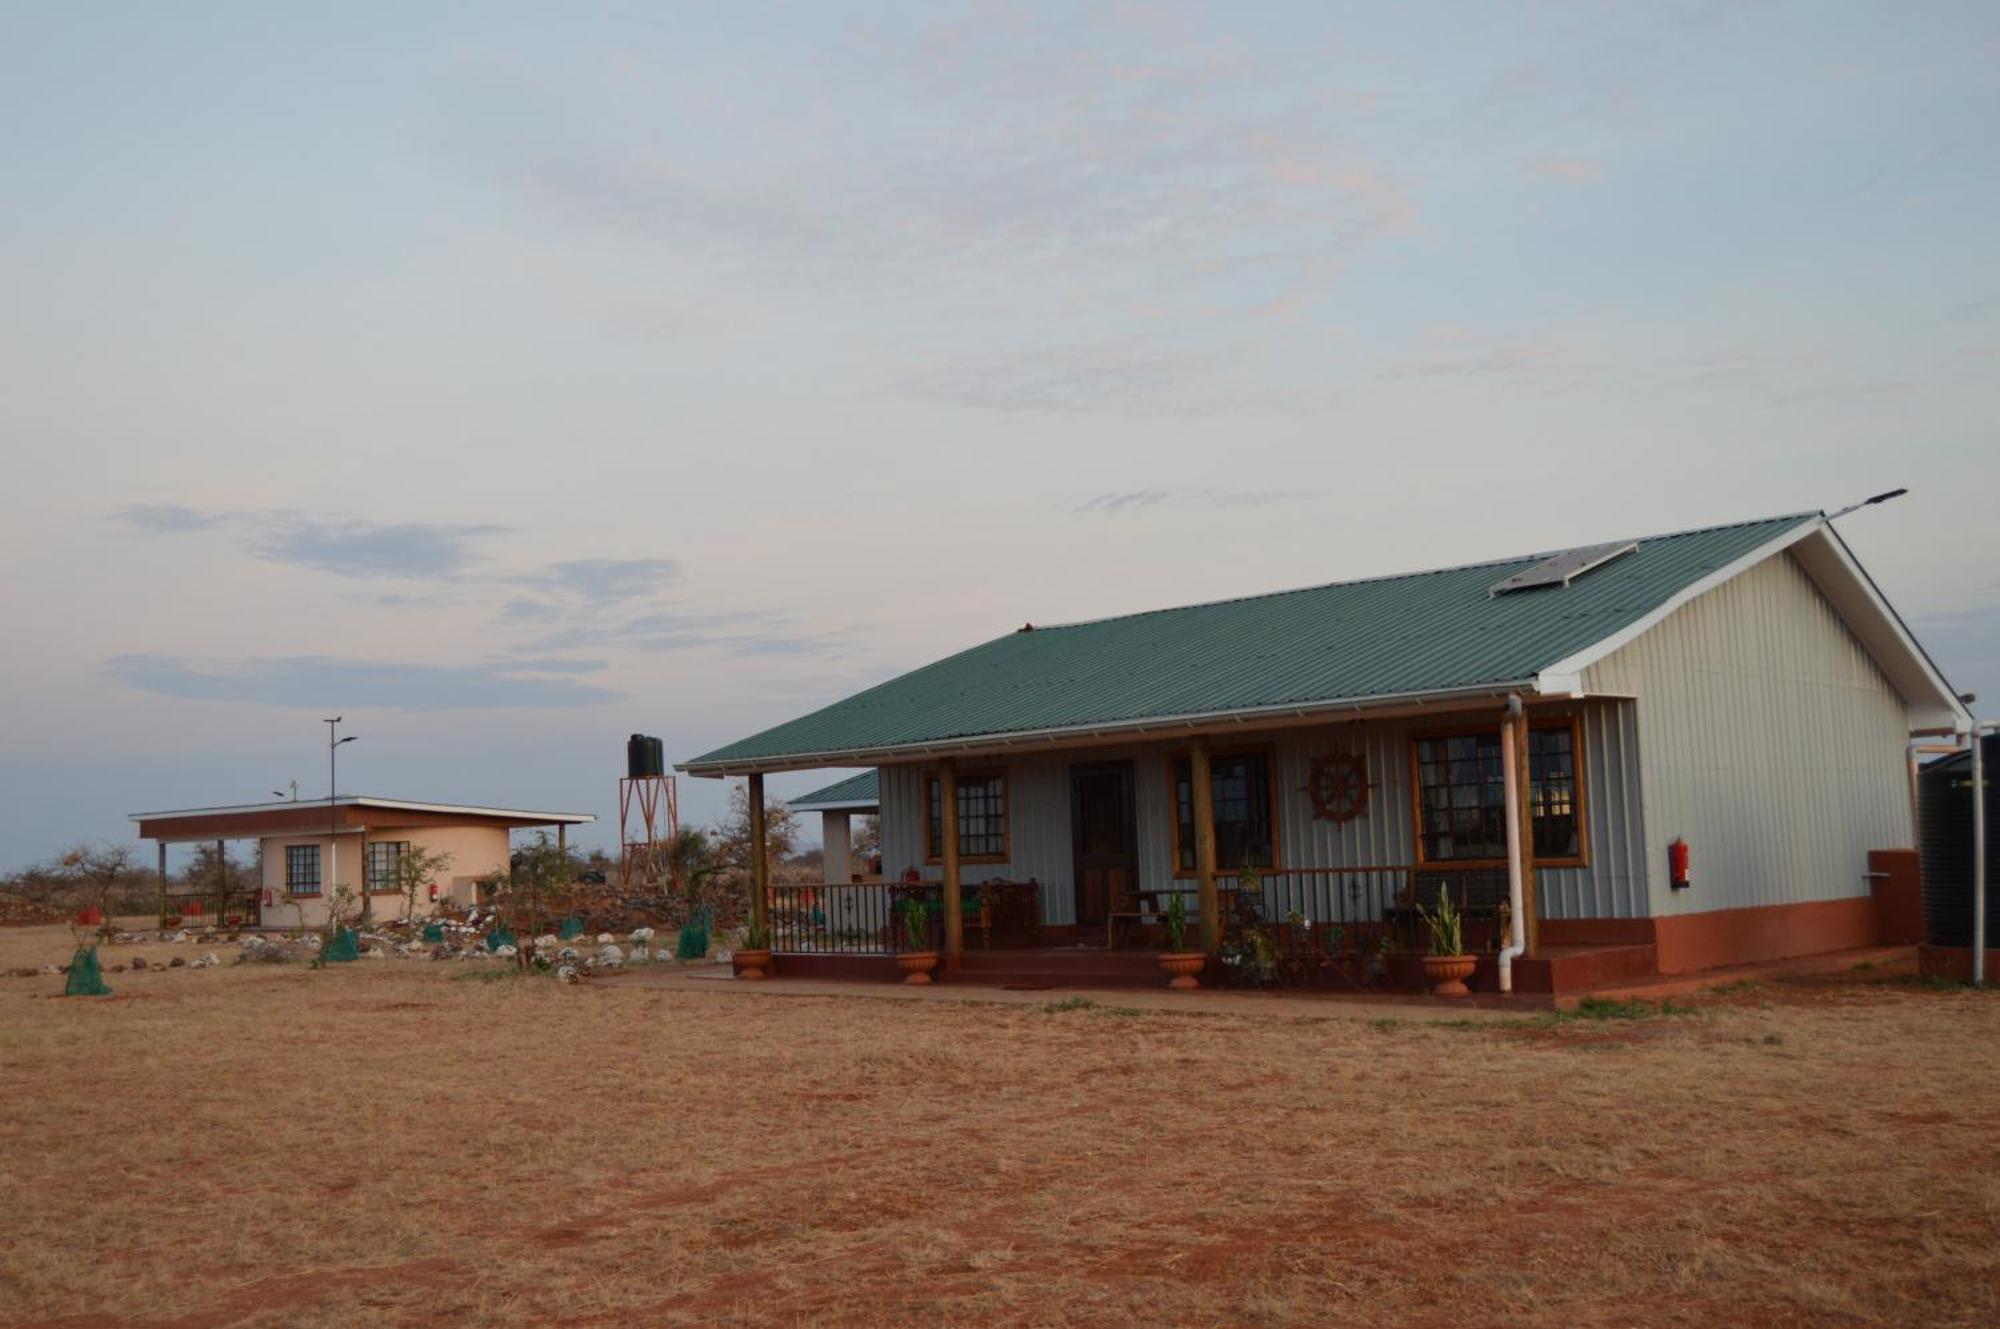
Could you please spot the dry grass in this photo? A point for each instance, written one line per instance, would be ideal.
(395, 1143)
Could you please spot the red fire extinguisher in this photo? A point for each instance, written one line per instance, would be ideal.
(434, 891)
(1677, 864)
(267, 897)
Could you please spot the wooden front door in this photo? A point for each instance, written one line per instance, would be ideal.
(1103, 828)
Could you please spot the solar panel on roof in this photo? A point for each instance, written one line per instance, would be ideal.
(1561, 569)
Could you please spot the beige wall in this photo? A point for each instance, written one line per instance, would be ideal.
(476, 851)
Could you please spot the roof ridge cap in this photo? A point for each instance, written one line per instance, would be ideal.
(1418, 572)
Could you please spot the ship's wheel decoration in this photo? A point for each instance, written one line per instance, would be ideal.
(1339, 786)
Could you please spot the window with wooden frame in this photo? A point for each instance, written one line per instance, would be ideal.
(982, 817)
(1246, 814)
(1461, 796)
(302, 869)
(385, 863)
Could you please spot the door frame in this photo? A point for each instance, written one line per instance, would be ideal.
(1128, 770)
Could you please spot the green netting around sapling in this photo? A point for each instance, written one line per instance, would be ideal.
(86, 979)
(694, 936)
(344, 946)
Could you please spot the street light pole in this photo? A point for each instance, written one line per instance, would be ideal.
(333, 812)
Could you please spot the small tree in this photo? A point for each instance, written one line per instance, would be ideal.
(99, 871)
(541, 878)
(690, 858)
(416, 869)
(212, 867)
(732, 834)
(865, 837)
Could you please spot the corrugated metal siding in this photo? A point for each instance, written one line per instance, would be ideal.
(1771, 742)
(1038, 790)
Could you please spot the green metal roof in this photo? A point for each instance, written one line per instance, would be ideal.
(1416, 633)
(863, 788)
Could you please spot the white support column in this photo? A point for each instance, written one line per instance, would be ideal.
(838, 846)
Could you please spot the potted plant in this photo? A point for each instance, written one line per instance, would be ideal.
(918, 961)
(753, 959)
(1447, 966)
(1179, 961)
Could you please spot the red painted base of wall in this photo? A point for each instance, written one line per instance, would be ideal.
(1897, 879)
(1720, 937)
(1955, 963)
(866, 968)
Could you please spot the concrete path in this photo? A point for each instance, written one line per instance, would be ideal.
(1272, 1005)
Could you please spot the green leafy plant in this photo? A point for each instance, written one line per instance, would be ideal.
(916, 924)
(1447, 931)
(1176, 923)
(756, 935)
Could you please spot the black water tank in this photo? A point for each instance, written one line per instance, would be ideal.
(1944, 834)
(645, 757)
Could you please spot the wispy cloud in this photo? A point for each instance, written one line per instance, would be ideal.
(548, 664)
(1067, 380)
(166, 518)
(1120, 502)
(321, 681)
(1461, 352)
(609, 580)
(1124, 500)
(371, 549)
(731, 632)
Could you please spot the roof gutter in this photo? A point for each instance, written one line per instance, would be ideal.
(1139, 728)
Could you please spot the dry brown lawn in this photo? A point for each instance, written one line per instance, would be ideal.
(399, 1143)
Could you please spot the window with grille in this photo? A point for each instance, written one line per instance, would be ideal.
(1462, 796)
(385, 861)
(302, 869)
(982, 817)
(1240, 789)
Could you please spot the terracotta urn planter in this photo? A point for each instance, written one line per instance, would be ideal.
(1183, 965)
(752, 963)
(1447, 974)
(917, 965)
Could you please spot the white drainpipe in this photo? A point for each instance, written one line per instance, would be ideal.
(1517, 926)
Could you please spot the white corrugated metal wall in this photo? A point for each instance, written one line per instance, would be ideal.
(1769, 740)
(1613, 885)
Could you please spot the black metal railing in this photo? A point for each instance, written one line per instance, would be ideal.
(851, 918)
(1385, 894)
(213, 908)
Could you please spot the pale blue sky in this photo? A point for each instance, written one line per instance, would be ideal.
(513, 378)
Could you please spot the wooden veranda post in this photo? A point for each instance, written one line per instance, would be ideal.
(1203, 790)
(954, 910)
(1530, 922)
(760, 866)
(163, 881)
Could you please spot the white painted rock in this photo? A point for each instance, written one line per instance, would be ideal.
(610, 957)
(605, 939)
(506, 952)
(567, 974)
(641, 953)
(642, 935)
(548, 941)
(206, 960)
